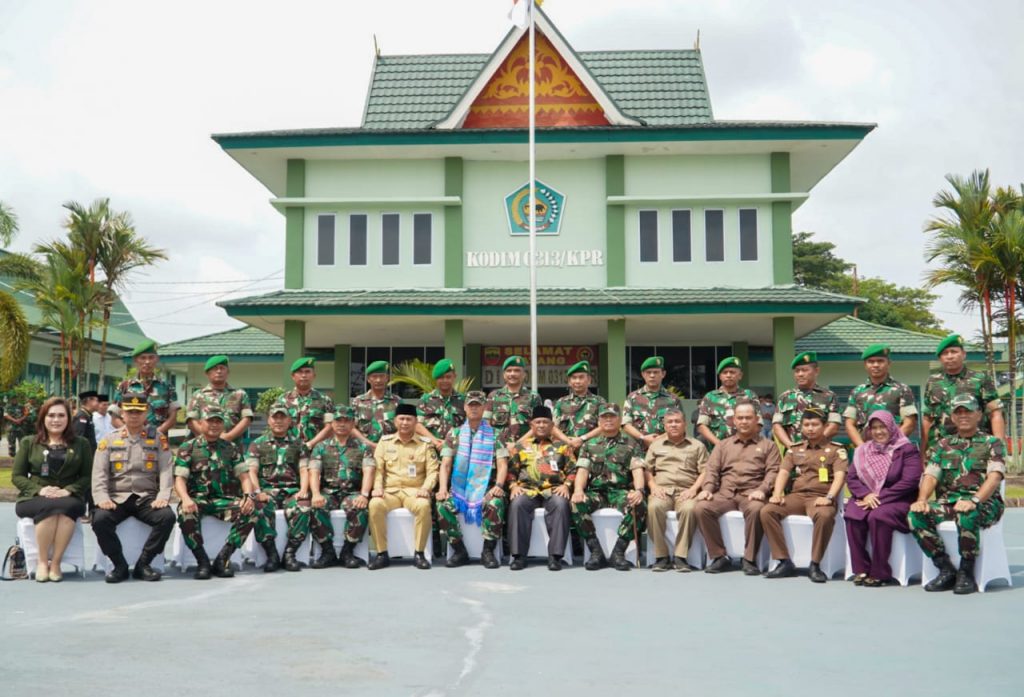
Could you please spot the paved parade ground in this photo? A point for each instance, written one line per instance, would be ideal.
(471, 631)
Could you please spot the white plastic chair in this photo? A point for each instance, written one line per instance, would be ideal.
(401, 535)
(215, 534)
(992, 563)
(253, 551)
(606, 523)
(473, 538)
(731, 524)
(539, 539)
(338, 521)
(799, 530)
(904, 560)
(133, 534)
(74, 555)
(698, 550)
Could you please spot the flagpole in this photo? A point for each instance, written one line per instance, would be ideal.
(534, 357)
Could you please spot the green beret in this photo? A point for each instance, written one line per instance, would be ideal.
(875, 350)
(214, 361)
(514, 362)
(147, 346)
(951, 340)
(653, 362)
(378, 367)
(344, 411)
(965, 400)
(441, 367)
(581, 367)
(805, 358)
(729, 362)
(304, 362)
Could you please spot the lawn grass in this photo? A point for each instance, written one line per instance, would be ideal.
(5, 478)
(1015, 492)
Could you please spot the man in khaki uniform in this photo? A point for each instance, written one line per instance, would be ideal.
(407, 471)
(821, 473)
(675, 467)
(740, 474)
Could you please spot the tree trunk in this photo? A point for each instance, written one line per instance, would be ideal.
(986, 331)
(1011, 313)
(63, 372)
(103, 346)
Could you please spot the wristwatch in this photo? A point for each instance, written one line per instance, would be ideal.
(252, 495)
(975, 500)
(830, 497)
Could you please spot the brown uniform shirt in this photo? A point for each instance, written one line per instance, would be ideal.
(738, 466)
(808, 459)
(676, 466)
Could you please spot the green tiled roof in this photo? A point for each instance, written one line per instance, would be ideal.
(551, 301)
(244, 341)
(662, 88)
(850, 335)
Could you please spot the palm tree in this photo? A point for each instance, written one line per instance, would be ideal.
(15, 333)
(420, 376)
(8, 224)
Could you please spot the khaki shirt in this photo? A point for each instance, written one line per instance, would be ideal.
(807, 460)
(676, 466)
(126, 465)
(405, 465)
(738, 466)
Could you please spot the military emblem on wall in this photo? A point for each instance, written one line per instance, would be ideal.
(549, 204)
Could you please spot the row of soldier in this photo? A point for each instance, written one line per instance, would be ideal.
(483, 458)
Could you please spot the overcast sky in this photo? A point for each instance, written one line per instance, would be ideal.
(118, 99)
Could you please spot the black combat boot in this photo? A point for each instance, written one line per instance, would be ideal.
(119, 572)
(289, 562)
(273, 562)
(946, 579)
(143, 571)
(487, 557)
(459, 557)
(381, 561)
(618, 559)
(222, 562)
(965, 584)
(596, 560)
(328, 557)
(348, 556)
(203, 571)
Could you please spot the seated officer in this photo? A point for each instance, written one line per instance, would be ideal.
(131, 477)
(211, 479)
(610, 474)
(964, 472)
(406, 474)
(540, 474)
(341, 471)
(279, 469)
(820, 468)
(475, 489)
(740, 474)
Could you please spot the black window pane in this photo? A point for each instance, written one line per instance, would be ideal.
(389, 239)
(325, 240)
(748, 235)
(680, 235)
(703, 372)
(357, 240)
(436, 353)
(714, 236)
(421, 234)
(648, 235)
(677, 369)
(636, 356)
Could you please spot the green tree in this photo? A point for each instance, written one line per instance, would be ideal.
(8, 224)
(15, 334)
(815, 264)
(419, 375)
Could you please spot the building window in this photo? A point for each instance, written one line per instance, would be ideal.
(648, 235)
(421, 238)
(389, 239)
(681, 236)
(748, 234)
(357, 240)
(714, 235)
(325, 240)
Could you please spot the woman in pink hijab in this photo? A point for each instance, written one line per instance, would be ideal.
(883, 480)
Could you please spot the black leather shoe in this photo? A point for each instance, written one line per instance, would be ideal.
(784, 569)
(965, 584)
(682, 566)
(718, 566)
(815, 573)
(518, 563)
(487, 557)
(420, 561)
(117, 574)
(946, 579)
(661, 564)
(144, 572)
(460, 557)
(381, 561)
(328, 557)
(273, 562)
(554, 563)
(750, 568)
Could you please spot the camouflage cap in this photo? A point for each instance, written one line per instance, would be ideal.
(214, 361)
(443, 366)
(476, 397)
(344, 411)
(729, 362)
(653, 362)
(875, 351)
(950, 341)
(304, 362)
(513, 362)
(609, 408)
(147, 346)
(964, 400)
(278, 407)
(580, 367)
(378, 367)
(804, 358)
(213, 412)
(136, 402)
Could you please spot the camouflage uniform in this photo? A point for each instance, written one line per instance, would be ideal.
(960, 466)
(14, 431)
(717, 407)
(341, 468)
(938, 397)
(308, 413)
(792, 404)
(234, 404)
(375, 418)
(645, 409)
(162, 397)
(278, 461)
(440, 414)
(212, 471)
(493, 511)
(891, 395)
(610, 462)
(509, 412)
(577, 416)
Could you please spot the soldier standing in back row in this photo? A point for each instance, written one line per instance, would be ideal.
(376, 408)
(715, 420)
(576, 414)
(881, 391)
(807, 394)
(308, 407)
(644, 409)
(442, 409)
(234, 404)
(510, 407)
(163, 400)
